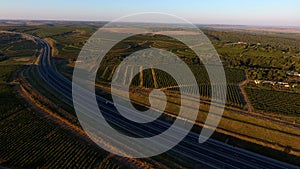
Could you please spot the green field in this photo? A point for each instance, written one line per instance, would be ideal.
(32, 142)
(9, 103)
(257, 52)
(274, 101)
(29, 141)
(165, 81)
(6, 72)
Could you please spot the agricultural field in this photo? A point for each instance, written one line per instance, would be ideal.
(153, 78)
(30, 141)
(264, 57)
(257, 52)
(6, 72)
(68, 38)
(244, 54)
(14, 49)
(163, 80)
(281, 102)
(250, 59)
(9, 103)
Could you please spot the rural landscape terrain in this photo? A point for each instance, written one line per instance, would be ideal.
(260, 126)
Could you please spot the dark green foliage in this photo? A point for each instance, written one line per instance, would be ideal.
(165, 80)
(274, 101)
(30, 141)
(6, 71)
(9, 103)
(252, 51)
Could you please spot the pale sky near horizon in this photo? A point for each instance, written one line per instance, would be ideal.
(251, 12)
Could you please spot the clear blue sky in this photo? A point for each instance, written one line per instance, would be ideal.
(249, 12)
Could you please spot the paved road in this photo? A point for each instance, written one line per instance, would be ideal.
(211, 154)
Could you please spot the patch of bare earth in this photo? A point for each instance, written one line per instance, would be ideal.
(23, 59)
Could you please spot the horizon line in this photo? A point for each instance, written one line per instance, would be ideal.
(204, 24)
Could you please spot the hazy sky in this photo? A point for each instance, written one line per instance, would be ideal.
(249, 12)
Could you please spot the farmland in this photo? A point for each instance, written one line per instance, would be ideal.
(281, 102)
(244, 54)
(257, 53)
(242, 61)
(8, 105)
(154, 78)
(68, 39)
(15, 49)
(165, 81)
(30, 141)
(6, 72)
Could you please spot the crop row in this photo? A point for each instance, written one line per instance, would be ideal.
(30, 142)
(161, 79)
(274, 101)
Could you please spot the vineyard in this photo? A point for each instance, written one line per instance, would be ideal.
(6, 72)
(154, 78)
(274, 101)
(8, 103)
(30, 141)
